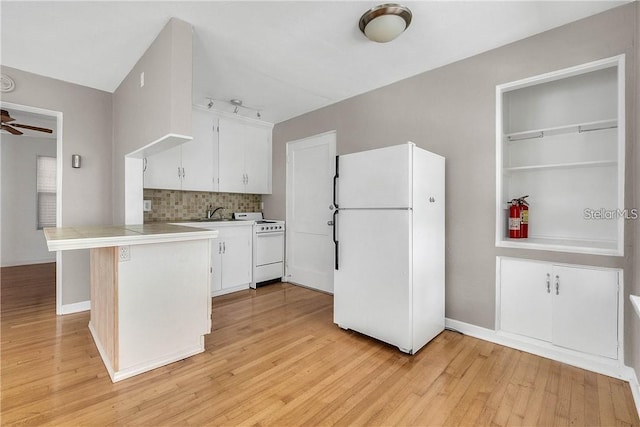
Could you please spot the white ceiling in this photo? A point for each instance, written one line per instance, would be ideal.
(287, 58)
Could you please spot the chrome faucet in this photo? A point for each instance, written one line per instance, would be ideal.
(211, 213)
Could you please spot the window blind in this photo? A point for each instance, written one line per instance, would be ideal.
(46, 191)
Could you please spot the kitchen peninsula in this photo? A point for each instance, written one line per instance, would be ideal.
(150, 284)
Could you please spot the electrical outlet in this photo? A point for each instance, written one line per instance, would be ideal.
(147, 206)
(125, 253)
(142, 79)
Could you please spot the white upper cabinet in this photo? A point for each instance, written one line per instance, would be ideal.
(227, 154)
(244, 157)
(191, 166)
(200, 156)
(257, 160)
(231, 152)
(164, 170)
(560, 139)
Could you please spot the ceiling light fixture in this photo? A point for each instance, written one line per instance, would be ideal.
(385, 22)
(237, 105)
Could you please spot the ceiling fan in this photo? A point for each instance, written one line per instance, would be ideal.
(11, 127)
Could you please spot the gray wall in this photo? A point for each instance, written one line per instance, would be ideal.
(22, 242)
(451, 111)
(86, 192)
(142, 115)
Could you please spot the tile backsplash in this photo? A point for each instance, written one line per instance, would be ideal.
(176, 205)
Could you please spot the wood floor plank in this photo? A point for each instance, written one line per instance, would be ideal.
(275, 358)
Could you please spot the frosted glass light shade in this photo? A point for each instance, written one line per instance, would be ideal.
(385, 22)
(385, 28)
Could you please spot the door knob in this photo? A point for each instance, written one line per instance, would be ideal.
(330, 207)
(329, 222)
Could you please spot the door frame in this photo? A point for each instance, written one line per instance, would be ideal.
(288, 196)
(59, 166)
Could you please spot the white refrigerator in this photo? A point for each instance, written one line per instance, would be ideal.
(389, 242)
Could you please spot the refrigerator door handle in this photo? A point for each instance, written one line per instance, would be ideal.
(335, 240)
(335, 183)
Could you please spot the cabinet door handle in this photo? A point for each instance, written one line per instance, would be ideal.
(224, 248)
(548, 283)
(557, 285)
(219, 247)
(183, 172)
(178, 172)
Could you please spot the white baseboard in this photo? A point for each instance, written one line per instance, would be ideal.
(600, 365)
(229, 290)
(76, 307)
(612, 369)
(146, 366)
(635, 387)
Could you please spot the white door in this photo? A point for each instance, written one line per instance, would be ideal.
(585, 310)
(198, 154)
(310, 249)
(379, 178)
(231, 156)
(236, 257)
(164, 170)
(216, 266)
(526, 298)
(373, 281)
(257, 160)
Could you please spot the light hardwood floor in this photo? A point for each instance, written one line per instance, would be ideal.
(275, 358)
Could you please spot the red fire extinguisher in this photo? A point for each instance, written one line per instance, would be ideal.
(524, 217)
(514, 219)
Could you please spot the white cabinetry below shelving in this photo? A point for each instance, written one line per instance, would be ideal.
(573, 307)
(560, 140)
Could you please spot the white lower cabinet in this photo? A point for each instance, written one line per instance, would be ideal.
(573, 307)
(231, 256)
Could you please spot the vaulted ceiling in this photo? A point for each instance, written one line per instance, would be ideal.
(286, 58)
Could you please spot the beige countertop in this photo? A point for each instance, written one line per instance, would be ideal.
(216, 224)
(69, 238)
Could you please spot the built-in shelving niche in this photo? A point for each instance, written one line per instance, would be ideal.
(560, 139)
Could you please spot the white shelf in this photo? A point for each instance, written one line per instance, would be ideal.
(562, 165)
(515, 137)
(562, 245)
(560, 138)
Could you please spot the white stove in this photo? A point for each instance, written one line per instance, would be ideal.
(268, 247)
